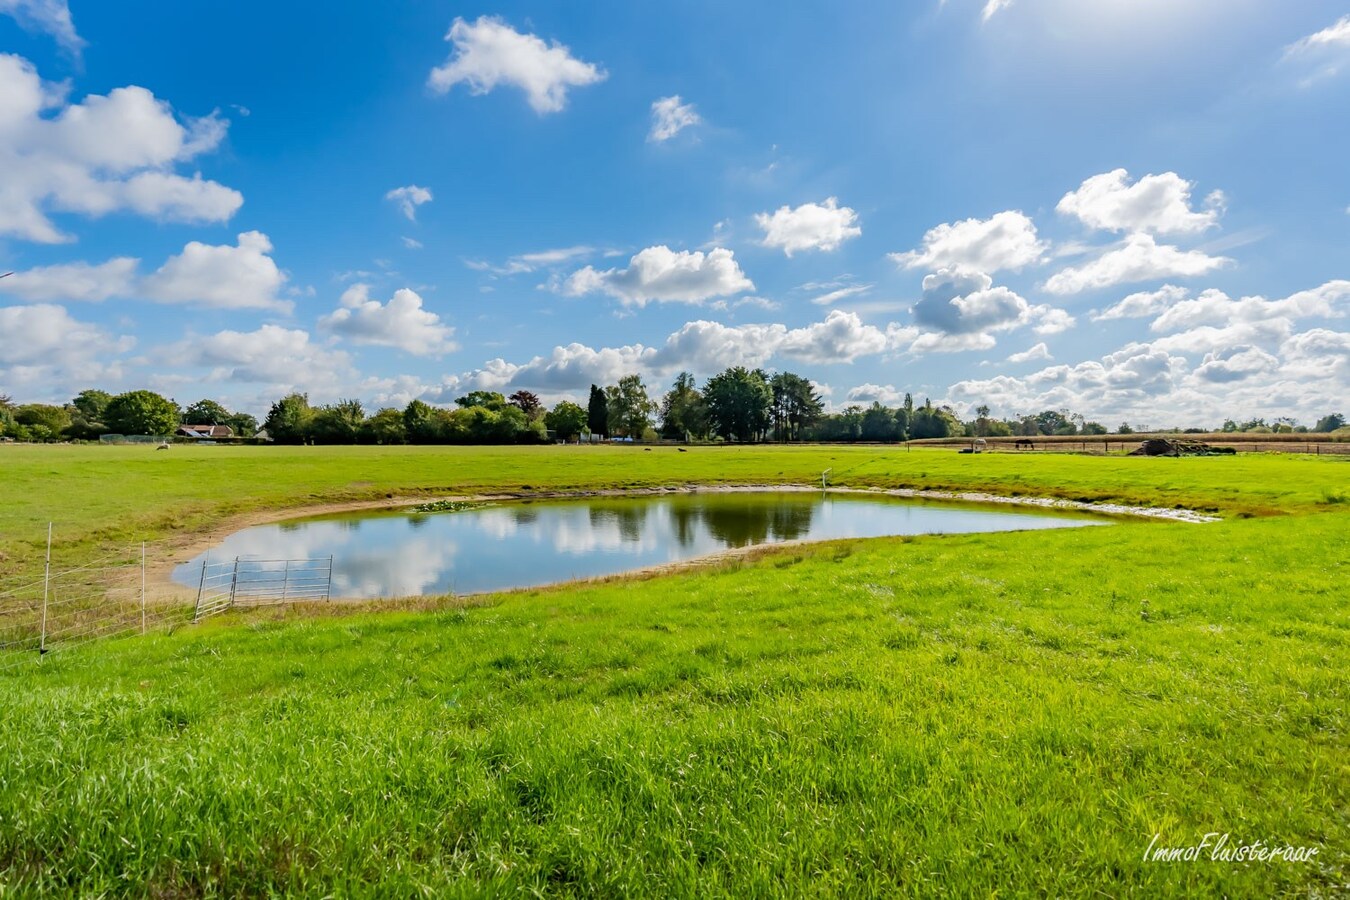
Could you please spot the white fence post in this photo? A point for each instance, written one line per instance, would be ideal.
(46, 583)
(142, 587)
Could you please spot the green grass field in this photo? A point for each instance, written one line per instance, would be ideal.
(109, 497)
(996, 715)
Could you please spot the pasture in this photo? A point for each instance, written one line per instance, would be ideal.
(1016, 714)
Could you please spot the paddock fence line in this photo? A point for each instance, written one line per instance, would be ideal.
(60, 607)
(1118, 444)
(72, 606)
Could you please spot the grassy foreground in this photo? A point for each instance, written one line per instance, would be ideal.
(1012, 714)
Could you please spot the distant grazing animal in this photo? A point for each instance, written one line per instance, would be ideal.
(1023, 444)
(681, 449)
(163, 446)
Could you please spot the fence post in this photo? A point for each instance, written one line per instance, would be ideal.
(234, 581)
(142, 587)
(328, 595)
(201, 586)
(46, 583)
(285, 580)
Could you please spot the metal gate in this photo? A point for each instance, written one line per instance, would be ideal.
(262, 582)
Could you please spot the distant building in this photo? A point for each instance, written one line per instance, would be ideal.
(205, 432)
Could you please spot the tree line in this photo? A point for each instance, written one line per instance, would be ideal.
(736, 405)
(94, 413)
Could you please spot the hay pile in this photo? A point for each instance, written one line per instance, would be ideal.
(1164, 447)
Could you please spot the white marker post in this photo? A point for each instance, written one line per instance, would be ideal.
(46, 583)
(142, 587)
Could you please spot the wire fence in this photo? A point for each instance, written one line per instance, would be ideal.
(70, 607)
(116, 594)
(1315, 445)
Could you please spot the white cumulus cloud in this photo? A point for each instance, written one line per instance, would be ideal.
(1329, 300)
(102, 155)
(402, 323)
(1139, 258)
(664, 275)
(842, 337)
(702, 347)
(1157, 204)
(1143, 303)
(962, 302)
(243, 276)
(283, 358)
(489, 52)
(1006, 240)
(670, 117)
(47, 355)
(46, 334)
(811, 226)
(1040, 351)
(885, 394)
(1121, 383)
(221, 277)
(77, 281)
(1235, 364)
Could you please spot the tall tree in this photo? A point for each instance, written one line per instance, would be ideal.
(527, 402)
(739, 403)
(878, 424)
(86, 414)
(796, 405)
(930, 422)
(630, 407)
(338, 423)
(420, 423)
(486, 399)
(206, 412)
(385, 427)
(1052, 421)
(141, 412)
(289, 419)
(92, 404)
(242, 424)
(683, 413)
(52, 419)
(566, 420)
(981, 420)
(597, 412)
(1330, 423)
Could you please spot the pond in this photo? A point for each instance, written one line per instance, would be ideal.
(531, 543)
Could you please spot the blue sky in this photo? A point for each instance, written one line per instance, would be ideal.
(1136, 209)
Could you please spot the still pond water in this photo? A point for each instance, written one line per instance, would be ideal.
(526, 544)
